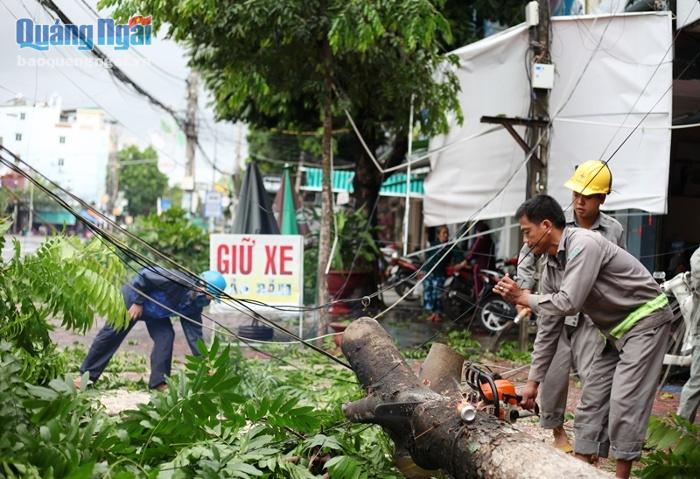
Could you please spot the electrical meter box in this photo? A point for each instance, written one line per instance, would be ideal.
(543, 76)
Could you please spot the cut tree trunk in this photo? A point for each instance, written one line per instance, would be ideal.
(422, 415)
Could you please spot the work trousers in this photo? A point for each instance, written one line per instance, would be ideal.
(576, 349)
(690, 395)
(161, 331)
(619, 393)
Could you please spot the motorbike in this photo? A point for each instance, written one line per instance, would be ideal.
(402, 275)
(681, 300)
(464, 293)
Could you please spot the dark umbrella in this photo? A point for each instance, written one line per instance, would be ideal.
(254, 213)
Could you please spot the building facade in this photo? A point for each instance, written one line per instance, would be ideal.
(70, 147)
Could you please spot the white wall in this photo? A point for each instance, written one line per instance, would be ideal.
(79, 163)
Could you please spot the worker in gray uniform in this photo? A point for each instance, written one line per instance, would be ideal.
(690, 395)
(590, 184)
(586, 273)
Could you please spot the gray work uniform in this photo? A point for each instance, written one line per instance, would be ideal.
(579, 336)
(690, 395)
(592, 275)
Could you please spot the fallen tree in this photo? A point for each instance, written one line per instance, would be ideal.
(422, 415)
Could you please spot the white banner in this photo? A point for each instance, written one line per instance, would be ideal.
(632, 59)
(265, 268)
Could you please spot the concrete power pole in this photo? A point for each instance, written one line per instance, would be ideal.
(113, 169)
(191, 137)
(540, 42)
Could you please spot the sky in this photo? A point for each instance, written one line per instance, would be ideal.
(160, 68)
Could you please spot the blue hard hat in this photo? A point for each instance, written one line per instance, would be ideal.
(215, 282)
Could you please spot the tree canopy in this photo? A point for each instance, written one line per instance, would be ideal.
(140, 179)
(264, 61)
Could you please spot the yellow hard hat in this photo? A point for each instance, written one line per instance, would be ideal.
(592, 177)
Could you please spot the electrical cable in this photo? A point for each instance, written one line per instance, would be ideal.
(100, 232)
(96, 102)
(230, 333)
(544, 132)
(605, 163)
(51, 7)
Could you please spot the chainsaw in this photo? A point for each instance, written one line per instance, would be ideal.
(493, 395)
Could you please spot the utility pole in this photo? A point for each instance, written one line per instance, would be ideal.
(540, 42)
(191, 137)
(113, 169)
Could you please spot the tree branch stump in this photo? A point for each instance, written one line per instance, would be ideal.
(422, 415)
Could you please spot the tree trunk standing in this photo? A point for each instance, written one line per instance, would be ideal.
(366, 185)
(324, 242)
(426, 422)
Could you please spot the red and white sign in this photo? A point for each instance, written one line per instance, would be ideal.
(265, 268)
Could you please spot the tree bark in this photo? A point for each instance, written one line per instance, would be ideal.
(422, 417)
(324, 242)
(366, 185)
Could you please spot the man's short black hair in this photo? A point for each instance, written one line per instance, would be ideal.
(540, 208)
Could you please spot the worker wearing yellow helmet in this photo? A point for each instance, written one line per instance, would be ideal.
(590, 184)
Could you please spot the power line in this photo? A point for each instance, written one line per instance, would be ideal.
(93, 99)
(474, 217)
(192, 278)
(164, 72)
(50, 6)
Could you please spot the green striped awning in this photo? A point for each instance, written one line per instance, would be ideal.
(395, 185)
(54, 217)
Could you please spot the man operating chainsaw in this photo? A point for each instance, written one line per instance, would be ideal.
(590, 184)
(584, 272)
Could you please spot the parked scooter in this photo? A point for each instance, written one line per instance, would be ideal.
(679, 290)
(465, 292)
(402, 275)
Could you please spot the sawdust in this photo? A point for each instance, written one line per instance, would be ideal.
(118, 400)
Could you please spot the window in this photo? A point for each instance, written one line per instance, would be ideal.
(62, 140)
(60, 162)
(18, 136)
(22, 116)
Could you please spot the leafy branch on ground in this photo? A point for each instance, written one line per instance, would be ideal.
(222, 416)
(64, 280)
(675, 446)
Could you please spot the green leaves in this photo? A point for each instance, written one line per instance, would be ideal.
(50, 431)
(64, 280)
(140, 179)
(223, 416)
(676, 449)
(174, 235)
(356, 246)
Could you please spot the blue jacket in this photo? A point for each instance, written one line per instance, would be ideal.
(168, 287)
